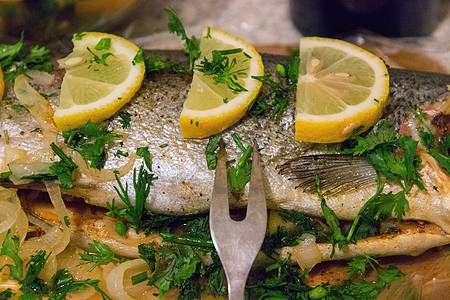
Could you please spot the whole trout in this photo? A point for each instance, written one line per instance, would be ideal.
(184, 182)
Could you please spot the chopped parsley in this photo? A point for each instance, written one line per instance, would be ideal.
(379, 148)
(239, 175)
(90, 141)
(125, 119)
(208, 34)
(278, 92)
(286, 282)
(120, 153)
(10, 247)
(32, 286)
(97, 59)
(223, 70)
(63, 283)
(163, 145)
(67, 221)
(211, 151)
(78, 36)
(18, 106)
(103, 44)
(156, 64)
(140, 57)
(180, 266)
(99, 253)
(192, 45)
(17, 59)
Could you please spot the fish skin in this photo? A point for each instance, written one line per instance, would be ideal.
(185, 184)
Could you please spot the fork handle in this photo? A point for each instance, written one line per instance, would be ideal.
(236, 287)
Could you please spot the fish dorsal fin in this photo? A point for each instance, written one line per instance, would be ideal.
(337, 173)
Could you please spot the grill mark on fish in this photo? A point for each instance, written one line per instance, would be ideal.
(185, 184)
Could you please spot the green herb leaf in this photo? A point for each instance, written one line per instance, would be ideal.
(100, 253)
(10, 247)
(90, 141)
(6, 294)
(143, 152)
(358, 265)
(192, 45)
(120, 153)
(140, 57)
(211, 151)
(125, 119)
(31, 284)
(67, 221)
(332, 221)
(239, 175)
(222, 69)
(142, 181)
(62, 169)
(18, 59)
(78, 35)
(156, 64)
(147, 252)
(103, 44)
(182, 265)
(62, 283)
(98, 60)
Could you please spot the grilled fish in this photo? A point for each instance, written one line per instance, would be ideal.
(184, 182)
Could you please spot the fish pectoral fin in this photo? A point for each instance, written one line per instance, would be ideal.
(337, 173)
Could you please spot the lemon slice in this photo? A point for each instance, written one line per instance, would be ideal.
(210, 108)
(340, 87)
(102, 75)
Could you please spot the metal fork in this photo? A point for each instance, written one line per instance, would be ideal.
(238, 242)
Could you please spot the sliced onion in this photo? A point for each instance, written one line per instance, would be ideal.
(27, 169)
(70, 260)
(40, 109)
(103, 175)
(306, 253)
(54, 192)
(40, 78)
(9, 208)
(115, 278)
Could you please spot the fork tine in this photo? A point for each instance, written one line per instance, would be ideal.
(256, 207)
(238, 243)
(219, 206)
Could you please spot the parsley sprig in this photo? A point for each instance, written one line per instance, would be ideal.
(222, 69)
(90, 141)
(278, 92)
(239, 175)
(337, 237)
(428, 141)
(192, 45)
(178, 265)
(380, 148)
(10, 247)
(99, 253)
(17, 59)
(286, 282)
